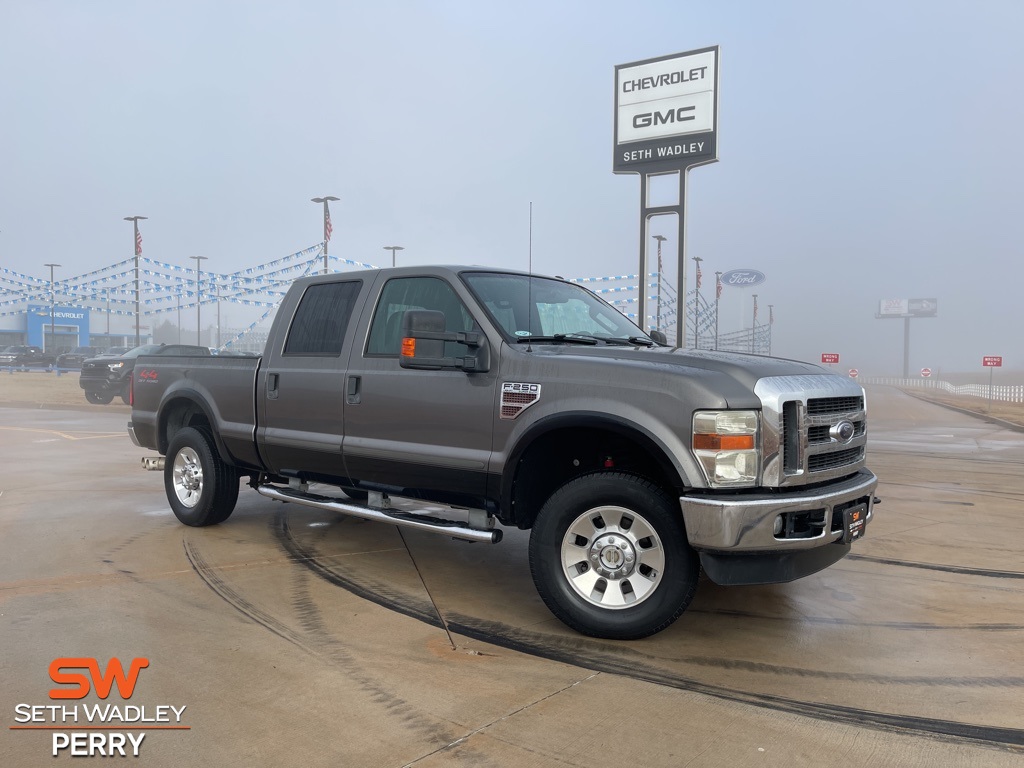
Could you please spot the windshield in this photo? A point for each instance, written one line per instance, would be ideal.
(527, 307)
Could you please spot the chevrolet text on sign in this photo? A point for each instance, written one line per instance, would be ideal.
(666, 110)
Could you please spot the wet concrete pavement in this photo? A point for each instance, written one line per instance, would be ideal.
(297, 637)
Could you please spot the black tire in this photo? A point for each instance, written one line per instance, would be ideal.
(126, 395)
(609, 556)
(98, 398)
(201, 489)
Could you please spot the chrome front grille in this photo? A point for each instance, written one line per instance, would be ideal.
(814, 428)
(834, 404)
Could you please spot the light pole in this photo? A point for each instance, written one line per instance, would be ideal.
(771, 322)
(328, 227)
(657, 316)
(393, 248)
(216, 287)
(52, 338)
(718, 296)
(753, 331)
(199, 298)
(696, 307)
(138, 252)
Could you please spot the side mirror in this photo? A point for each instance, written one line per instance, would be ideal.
(423, 340)
(658, 336)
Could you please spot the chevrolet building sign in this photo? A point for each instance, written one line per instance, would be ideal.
(666, 112)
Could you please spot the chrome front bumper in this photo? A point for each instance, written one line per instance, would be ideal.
(740, 524)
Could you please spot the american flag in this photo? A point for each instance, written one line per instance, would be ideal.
(138, 241)
(718, 288)
(327, 224)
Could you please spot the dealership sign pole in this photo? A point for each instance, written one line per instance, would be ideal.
(666, 122)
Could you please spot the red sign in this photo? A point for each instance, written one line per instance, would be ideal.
(854, 373)
(992, 361)
(830, 357)
(926, 372)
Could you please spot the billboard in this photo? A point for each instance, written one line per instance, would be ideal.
(908, 307)
(666, 112)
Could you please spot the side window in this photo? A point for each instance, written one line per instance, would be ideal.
(405, 293)
(321, 319)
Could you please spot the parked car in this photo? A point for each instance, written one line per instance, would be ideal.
(75, 357)
(22, 355)
(104, 378)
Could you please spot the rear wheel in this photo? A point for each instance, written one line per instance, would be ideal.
(201, 488)
(609, 556)
(98, 398)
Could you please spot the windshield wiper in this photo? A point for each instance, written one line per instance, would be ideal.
(638, 341)
(558, 337)
(643, 341)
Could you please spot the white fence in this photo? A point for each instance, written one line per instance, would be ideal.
(1002, 392)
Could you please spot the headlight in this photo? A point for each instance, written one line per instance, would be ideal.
(726, 445)
(114, 367)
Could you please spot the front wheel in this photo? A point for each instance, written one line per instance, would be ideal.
(201, 488)
(609, 556)
(98, 398)
(126, 395)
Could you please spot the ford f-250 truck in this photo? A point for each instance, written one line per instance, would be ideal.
(528, 402)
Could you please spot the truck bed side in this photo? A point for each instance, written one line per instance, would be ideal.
(182, 391)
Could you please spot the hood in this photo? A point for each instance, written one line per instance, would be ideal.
(745, 369)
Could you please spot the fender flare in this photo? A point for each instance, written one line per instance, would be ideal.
(194, 397)
(586, 420)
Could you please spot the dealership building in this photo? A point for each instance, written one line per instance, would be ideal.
(67, 328)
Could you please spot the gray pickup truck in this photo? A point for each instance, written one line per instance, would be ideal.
(524, 401)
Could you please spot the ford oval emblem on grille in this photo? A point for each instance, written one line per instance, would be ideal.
(842, 432)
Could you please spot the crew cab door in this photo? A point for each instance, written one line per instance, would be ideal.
(300, 393)
(415, 430)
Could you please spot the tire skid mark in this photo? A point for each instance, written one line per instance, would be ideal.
(916, 626)
(375, 592)
(598, 656)
(1010, 739)
(332, 650)
(212, 579)
(958, 569)
(320, 645)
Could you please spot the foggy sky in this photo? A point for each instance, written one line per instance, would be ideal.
(867, 150)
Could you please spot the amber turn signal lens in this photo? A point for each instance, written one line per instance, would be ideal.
(408, 347)
(723, 442)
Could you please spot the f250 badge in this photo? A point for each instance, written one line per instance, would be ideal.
(516, 397)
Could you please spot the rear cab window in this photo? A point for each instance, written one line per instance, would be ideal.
(321, 320)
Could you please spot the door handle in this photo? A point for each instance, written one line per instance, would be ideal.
(272, 386)
(352, 397)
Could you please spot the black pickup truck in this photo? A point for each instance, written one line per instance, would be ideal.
(103, 378)
(527, 402)
(22, 356)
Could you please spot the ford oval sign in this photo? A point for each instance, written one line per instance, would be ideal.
(742, 278)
